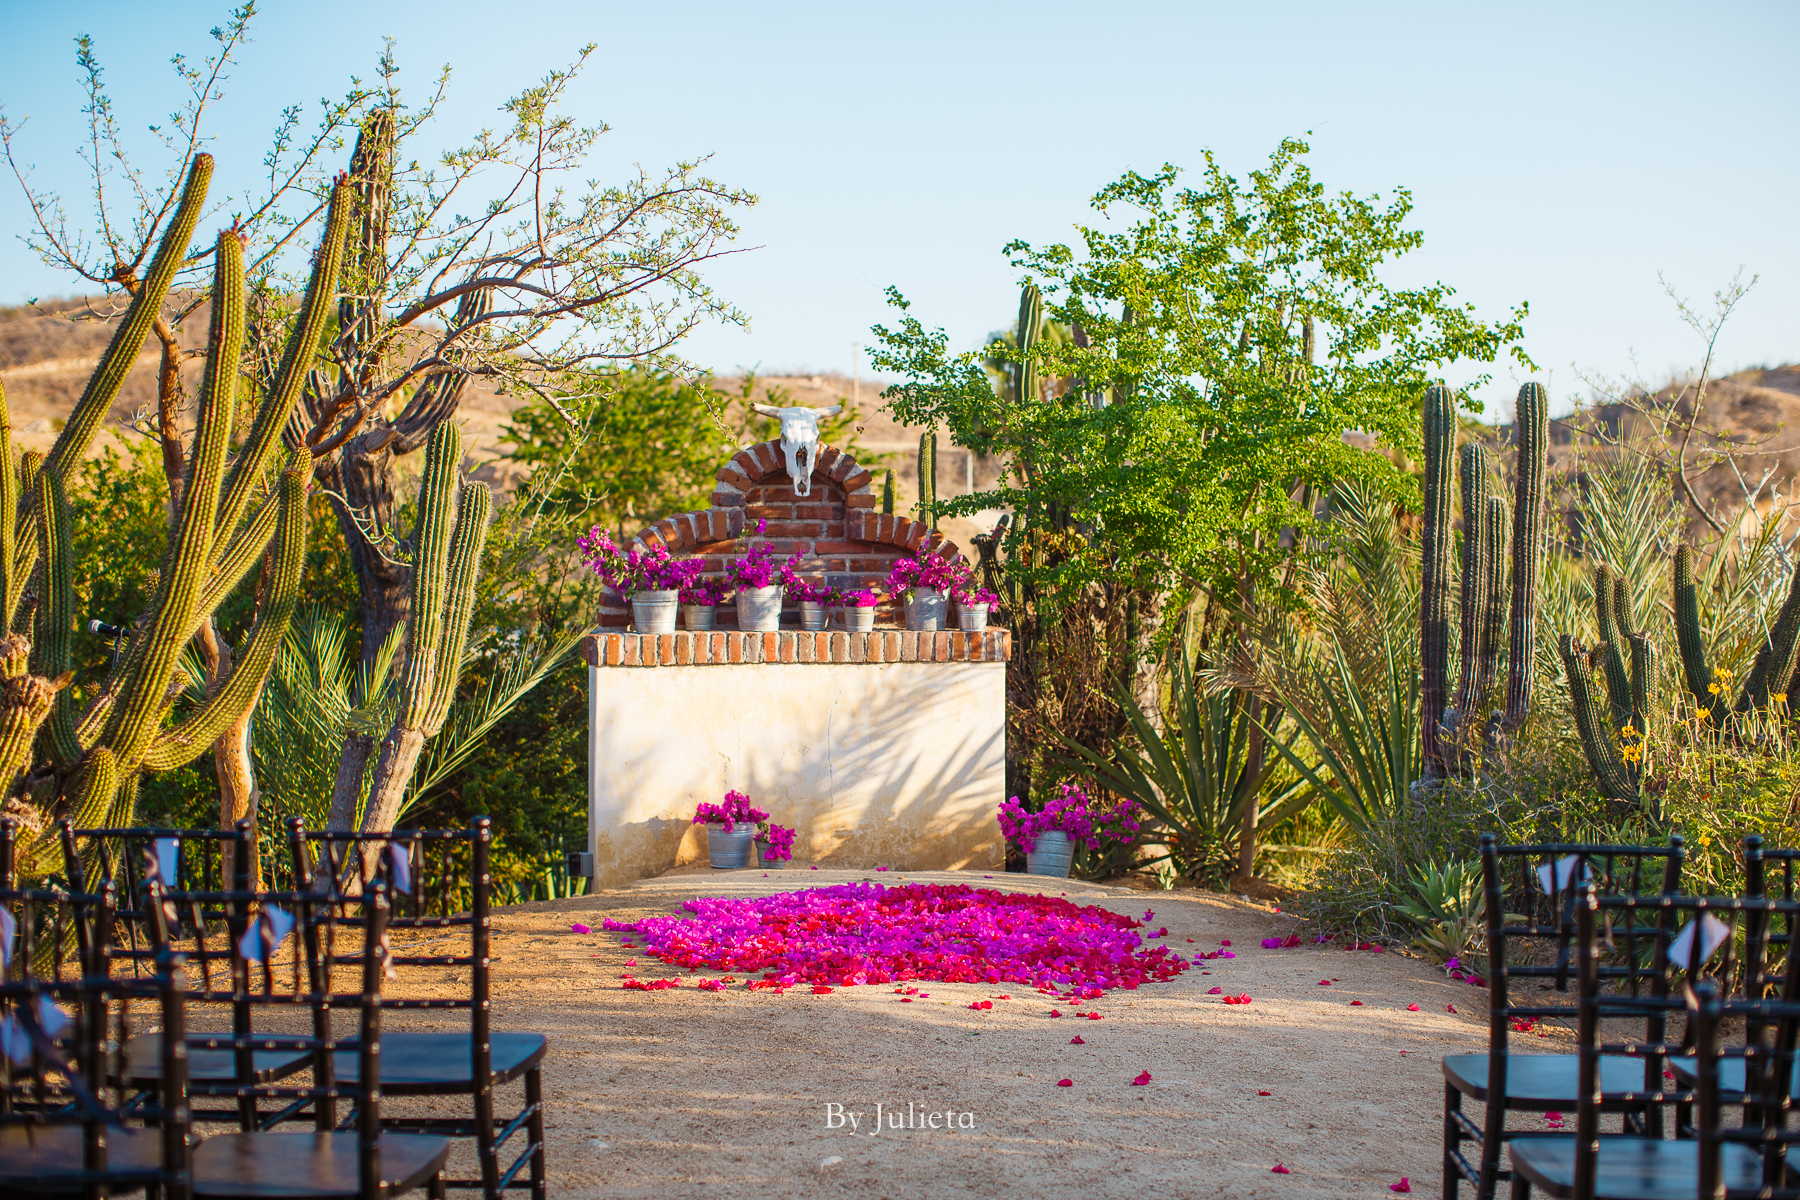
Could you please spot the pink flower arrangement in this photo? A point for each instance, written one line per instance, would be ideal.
(779, 840)
(868, 933)
(929, 571)
(800, 589)
(707, 592)
(737, 807)
(969, 597)
(652, 569)
(866, 598)
(755, 568)
(1070, 811)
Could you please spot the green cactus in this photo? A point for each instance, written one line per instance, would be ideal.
(1532, 430)
(89, 764)
(1434, 581)
(1774, 663)
(887, 493)
(1606, 650)
(1617, 778)
(1031, 332)
(928, 478)
(1477, 577)
(446, 564)
(1493, 633)
(1696, 672)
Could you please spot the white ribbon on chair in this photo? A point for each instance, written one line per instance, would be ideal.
(8, 927)
(1565, 870)
(1713, 932)
(274, 922)
(400, 863)
(15, 1039)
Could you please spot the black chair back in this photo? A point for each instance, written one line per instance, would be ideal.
(1767, 1067)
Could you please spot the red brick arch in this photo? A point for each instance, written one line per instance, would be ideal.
(835, 530)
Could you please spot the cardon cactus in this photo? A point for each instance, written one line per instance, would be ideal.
(1615, 762)
(1607, 650)
(1493, 633)
(1477, 578)
(1434, 581)
(1031, 333)
(1532, 431)
(88, 765)
(453, 524)
(1774, 663)
(887, 493)
(928, 478)
(1696, 672)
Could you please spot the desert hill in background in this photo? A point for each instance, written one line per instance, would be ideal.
(47, 353)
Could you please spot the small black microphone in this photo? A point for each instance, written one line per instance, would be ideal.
(105, 630)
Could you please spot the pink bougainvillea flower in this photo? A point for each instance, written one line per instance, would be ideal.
(881, 868)
(1065, 1083)
(1190, 939)
(1076, 1041)
(1056, 1012)
(1356, 1004)
(1224, 941)
(1142, 1079)
(1405, 1185)
(1163, 932)
(631, 962)
(906, 999)
(815, 867)
(1449, 1008)
(1093, 1016)
(1280, 1170)
(1003, 997)
(1477, 981)
(980, 1005)
(1412, 1008)
(578, 927)
(1324, 983)
(1214, 991)
(1148, 913)
(1242, 999)
(712, 985)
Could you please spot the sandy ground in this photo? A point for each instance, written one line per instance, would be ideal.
(685, 1093)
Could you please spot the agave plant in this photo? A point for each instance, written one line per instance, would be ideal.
(1197, 776)
(1448, 906)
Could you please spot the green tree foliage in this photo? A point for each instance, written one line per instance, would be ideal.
(1225, 337)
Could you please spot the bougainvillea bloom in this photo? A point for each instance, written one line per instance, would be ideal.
(1265, 1093)
(1065, 1083)
(578, 927)
(1280, 1170)
(1214, 991)
(1243, 999)
(1405, 1185)
(1412, 1008)
(1076, 1041)
(1356, 1004)
(1141, 1080)
(869, 933)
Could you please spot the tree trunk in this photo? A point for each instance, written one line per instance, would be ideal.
(364, 476)
(232, 765)
(346, 789)
(394, 766)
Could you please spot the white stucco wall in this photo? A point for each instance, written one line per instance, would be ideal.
(897, 763)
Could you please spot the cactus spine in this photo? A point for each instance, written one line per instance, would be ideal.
(1696, 673)
(1532, 428)
(1434, 581)
(446, 564)
(887, 493)
(1477, 578)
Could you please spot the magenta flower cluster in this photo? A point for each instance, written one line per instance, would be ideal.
(801, 589)
(779, 840)
(968, 596)
(1070, 811)
(866, 598)
(756, 567)
(866, 933)
(928, 571)
(636, 570)
(707, 592)
(737, 808)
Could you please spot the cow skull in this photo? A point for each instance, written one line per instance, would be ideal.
(799, 437)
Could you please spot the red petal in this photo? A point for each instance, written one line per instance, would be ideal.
(1412, 1008)
(1141, 1080)
(1280, 1170)
(1449, 1008)
(1065, 1083)
(1356, 1004)
(1265, 1093)
(1404, 1185)
(1214, 991)
(1076, 1041)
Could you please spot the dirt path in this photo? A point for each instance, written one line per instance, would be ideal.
(685, 1093)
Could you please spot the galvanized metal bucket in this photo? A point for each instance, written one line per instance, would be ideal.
(730, 851)
(759, 609)
(972, 617)
(654, 612)
(762, 854)
(856, 620)
(697, 616)
(1050, 854)
(812, 615)
(925, 608)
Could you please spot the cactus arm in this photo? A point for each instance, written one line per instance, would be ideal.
(1612, 662)
(241, 553)
(1643, 669)
(135, 718)
(121, 354)
(1476, 576)
(1623, 620)
(1696, 672)
(12, 583)
(25, 548)
(1597, 741)
(25, 700)
(473, 512)
(1031, 332)
(181, 745)
(1775, 661)
(1434, 582)
(55, 616)
(1493, 634)
(887, 493)
(431, 561)
(302, 350)
(1532, 428)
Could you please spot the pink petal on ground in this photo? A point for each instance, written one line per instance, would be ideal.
(1224, 941)
(1356, 1004)
(1076, 1041)
(1265, 1093)
(1280, 1170)
(579, 928)
(1065, 1083)
(1449, 1008)
(1056, 1012)
(1324, 983)
(1093, 1016)
(1412, 1008)
(1214, 991)
(1405, 1185)
(1141, 1080)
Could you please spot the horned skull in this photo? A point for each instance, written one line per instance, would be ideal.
(799, 437)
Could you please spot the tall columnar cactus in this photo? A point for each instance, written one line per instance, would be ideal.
(88, 764)
(887, 493)
(928, 478)
(1607, 650)
(1696, 672)
(453, 526)
(1616, 774)
(1434, 581)
(1477, 578)
(1532, 429)
(1030, 335)
(1493, 633)
(1774, 663)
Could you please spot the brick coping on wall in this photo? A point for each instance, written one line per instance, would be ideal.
(722, 648)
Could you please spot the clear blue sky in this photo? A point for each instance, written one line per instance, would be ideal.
(1559, 153)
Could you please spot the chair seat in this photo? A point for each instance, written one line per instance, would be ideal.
(1632, 1168)
(1548, 1081)
(434, 1064)
(251, 1166)
(32, 1159)
(143, 1063)
(1731, 1076)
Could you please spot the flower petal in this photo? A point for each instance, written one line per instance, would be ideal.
(1065, 1083)
(1280, 1170)
(1141, 1080)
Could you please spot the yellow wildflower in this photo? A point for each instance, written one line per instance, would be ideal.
(1706, 839)
(1704, 714)
(1714, 688)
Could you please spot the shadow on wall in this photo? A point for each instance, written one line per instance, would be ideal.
(897, 765)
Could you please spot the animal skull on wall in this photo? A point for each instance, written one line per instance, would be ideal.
(799, 436)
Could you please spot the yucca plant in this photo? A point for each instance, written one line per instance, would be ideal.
(1447, 904)
(1196, 776)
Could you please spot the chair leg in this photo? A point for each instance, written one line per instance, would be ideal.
(1521, 1188)
(434, 1187)
(1452, 1140)
(1493, 1145)
(534, 1096)
(484, 1140)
